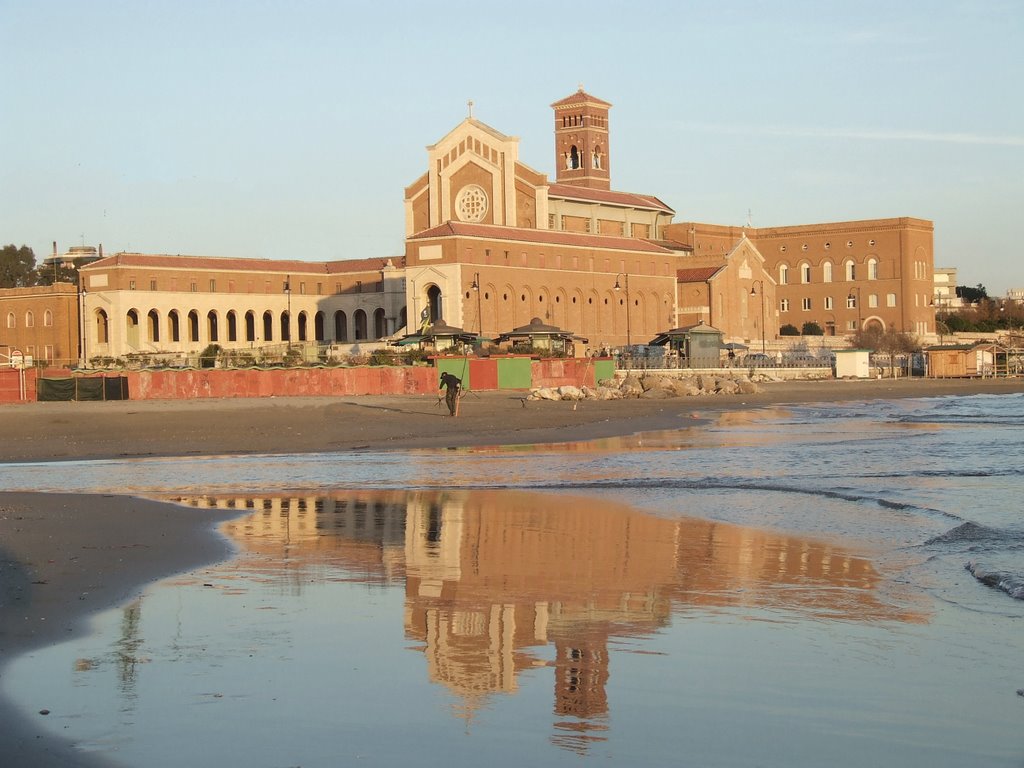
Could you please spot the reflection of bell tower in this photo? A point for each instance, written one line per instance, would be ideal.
(581, 674)
(581, 141)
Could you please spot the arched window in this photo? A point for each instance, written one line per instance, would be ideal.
(132, 327)
(597, 157)
(174, 326)
(360, 321)
(102, 327)
(805, 273)
(826, 271)
(303, 319)
(318, 327)
(268, 326)
(380, 324)
(872, 269)
(340, 326)
(434, 304)
(851, 270)
(154, 325)
(193, 326)
(250, 326)
(783, 274)
(232, 326)
(286, 327)
(30, 319)
(403, 319)
(212, 331)
(11, 321)
(574, 158)
(47, 318)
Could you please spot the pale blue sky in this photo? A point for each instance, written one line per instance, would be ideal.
(289, 129)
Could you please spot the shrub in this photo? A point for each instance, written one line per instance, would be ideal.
(208, 357)
(789, 330)
(812, 329)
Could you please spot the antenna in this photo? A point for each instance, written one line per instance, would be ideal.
(750, 216)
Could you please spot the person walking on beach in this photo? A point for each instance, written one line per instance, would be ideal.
(451, 397)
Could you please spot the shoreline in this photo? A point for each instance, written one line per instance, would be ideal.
(65, 557)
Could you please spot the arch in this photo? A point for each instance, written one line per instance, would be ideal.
(873, 323)
(340, 326)
(30, 319)
(380, 324)
(303, 320)
(872, 268)
(268, 326)
(232, 318)
(286, 326)
(212, 329)
(318, 327)
(193, 325)
(826, 271)
(154, 325)
(102, 327)
(805, 272)
(850, 270)
(783, 274)
(359, 320)
(12, 321)
(250, 326)
(434, 305)
(403, 319)
(47, 318)
(131, 320)
(597, 157)
(173, 326)
(573, 161)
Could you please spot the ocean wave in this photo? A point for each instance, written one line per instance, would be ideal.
(969, 532)
(1010, 583)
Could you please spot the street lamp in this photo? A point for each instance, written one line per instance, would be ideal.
(479, 313)
(288, 293)
(625, 277)
(855, 300)
(754, 292)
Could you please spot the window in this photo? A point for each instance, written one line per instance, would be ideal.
(851, 325)
(152, 285)
(131, 285)
(30, 319)
(805, 304)
(805, 273)
(213, 286)
(851, 302)
(826, 272)
(784, 305)
(302, 289)
(851, 270)
(890, 300)
(193, 286)
(783, 274)
(873, 300)
(11, 323)
(872, 269)
(47, 318)
(828, 302)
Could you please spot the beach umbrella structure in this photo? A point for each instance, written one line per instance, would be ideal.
(538, 336)
(438, 337)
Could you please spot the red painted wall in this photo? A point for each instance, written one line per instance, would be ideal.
(10, 385)
(558, 372)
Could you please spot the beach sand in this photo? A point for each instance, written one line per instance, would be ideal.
(64, 557)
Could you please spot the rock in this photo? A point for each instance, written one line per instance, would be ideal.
(656, 393)
(567, 392)
(726, 387)
(545, 393)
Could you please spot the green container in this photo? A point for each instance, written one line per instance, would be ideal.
(515, 372)
(456, 366)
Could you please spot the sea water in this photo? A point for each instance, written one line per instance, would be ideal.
(833, 584)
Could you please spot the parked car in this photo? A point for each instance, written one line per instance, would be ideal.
(758, 360)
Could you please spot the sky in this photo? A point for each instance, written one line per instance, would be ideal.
(289, 130)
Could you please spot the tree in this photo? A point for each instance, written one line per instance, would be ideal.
(789, 330)
(972, 295)
(17, 267)
(888, 342)
(812, 329)
(60, 273)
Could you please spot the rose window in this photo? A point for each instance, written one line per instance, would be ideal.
(471, 204)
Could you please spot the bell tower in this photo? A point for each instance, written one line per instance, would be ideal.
(581, 141)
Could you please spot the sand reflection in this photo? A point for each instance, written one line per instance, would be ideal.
(499, 582)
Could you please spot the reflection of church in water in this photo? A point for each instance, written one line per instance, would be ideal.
(491, 577)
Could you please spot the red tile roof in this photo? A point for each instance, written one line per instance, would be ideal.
(231, 264)
(697, 274)
(625, 199)
(547, 236)
(580, 97)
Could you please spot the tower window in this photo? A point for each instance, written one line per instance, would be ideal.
(572, 161)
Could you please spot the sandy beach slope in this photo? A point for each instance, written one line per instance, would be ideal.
(64, 557)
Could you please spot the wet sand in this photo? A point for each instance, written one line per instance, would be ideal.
(64, 557)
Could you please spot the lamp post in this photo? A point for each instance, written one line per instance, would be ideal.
(754, 292)
(629, 335)
(479, 313)
(288, 294)
(855, 300)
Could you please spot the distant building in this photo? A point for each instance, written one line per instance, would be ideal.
(41, 323)
(945, 289)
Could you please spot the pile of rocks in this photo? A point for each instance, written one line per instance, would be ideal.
(651, 387)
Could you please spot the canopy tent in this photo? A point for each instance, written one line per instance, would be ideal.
(538, 335)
